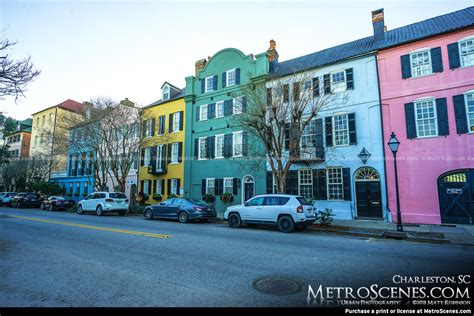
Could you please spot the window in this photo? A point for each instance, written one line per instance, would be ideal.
(147, 159)
(203, 112)
(166, 93)
(174, 186)
(202, 148)
(335, 187)
(340, 130)
(307, 85)
(470, 110)
(466, 52)
(146, 186)
(209, 84)
(420, 63)
(228, 185)
(148, 128)
(258, 201)
(230, 77)
(237, 105)
(219, 109)
(338, 81)
(51, 117)
(37, 122)
(309, 135)
(286, 93)
(425, 115)
(237, 144)
(174, 152)
(86, 187)
(43, 120)
(159, 187)
(159, 154)
(211, 186)
(219, 146)
(305, 183)
(176, 121)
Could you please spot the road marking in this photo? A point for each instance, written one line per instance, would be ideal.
(108, 229)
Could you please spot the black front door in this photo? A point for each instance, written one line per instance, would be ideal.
(369, 199)
(456, 197)
(248, 187)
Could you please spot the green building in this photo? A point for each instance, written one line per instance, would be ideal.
(223, 160)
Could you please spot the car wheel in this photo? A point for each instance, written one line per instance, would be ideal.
(148, 214)
(183, 217)
(42, 206)
(99, 210)
(122, 213)
(286, 224)
(234, 220)
(79, 209)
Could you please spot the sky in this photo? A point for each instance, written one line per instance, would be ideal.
(119, 49)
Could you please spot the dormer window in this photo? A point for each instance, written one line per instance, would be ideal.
(166, 92)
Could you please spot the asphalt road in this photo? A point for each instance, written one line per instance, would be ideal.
(61, 259)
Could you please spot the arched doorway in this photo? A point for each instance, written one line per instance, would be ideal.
(456, 196)
(248, 188)
(368, 193)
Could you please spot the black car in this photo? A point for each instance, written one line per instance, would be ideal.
(57, 203)
(26, 200)
(182, 209)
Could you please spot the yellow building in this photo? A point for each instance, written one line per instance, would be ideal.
(49, 134)
(162, 152)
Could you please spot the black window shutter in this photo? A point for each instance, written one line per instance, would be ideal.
(218, 183)
(292, 182)
(181, 120)
(327, 83)
(149, 187)
(244, 104)
(144, 129)
(237, 76)
(196, 148)
(352, 129)
(153, 158)
(245, 144)
(142, 159)
(410, 120)
(406, 66)
(178, 185)
(442, 114)
(318, 144)
(163, 157)
(436, 59)
(210, 147)
(153, 127)
(224, 78)
(197, 113)
(287, 136)
(168, 160)
(350, 78)
(269, 182)
(180, 151)
(315, 184)
(203, 85)
(214, 82)
(346, 183)
(286, 93)
(316, 87)
(328, 123)
(235, 186)
(227, 107)
(211, 111)
(162, 186)
(142, 186)
(322, 188)
(227, 145)
(460, 114)
(296, 91)
(203, 186)
(169, 186)
(162, 124)
(154, 186)
(170, 128)
(453, 54)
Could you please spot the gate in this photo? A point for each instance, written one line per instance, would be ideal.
(456, 194)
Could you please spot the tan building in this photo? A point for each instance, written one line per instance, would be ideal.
(49, 135)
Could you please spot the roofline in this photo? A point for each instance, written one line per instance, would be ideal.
(164, 102)
(166, 82)
(54, 106)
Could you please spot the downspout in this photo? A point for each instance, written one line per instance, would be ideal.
(52, 144)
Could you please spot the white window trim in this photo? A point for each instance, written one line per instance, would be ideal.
(424, 99)
(467, 108)
(330, 81)
(174, 183)
(160, 192)
(231, 187)
(233, 143)
(200, 112)
(176, 126)
(299, 179)
(227, 77)
(468, 38)
(215, 146)
(199, 148)
(207, 185)
(327, 183)
(334, 130)
(417, 51)
(148, 129)
(238, 99)
(217, 105)
(166, 89)
(205, 84)
(147, 158)
(174, 152)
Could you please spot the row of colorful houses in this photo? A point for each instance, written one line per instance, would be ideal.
(416, 81)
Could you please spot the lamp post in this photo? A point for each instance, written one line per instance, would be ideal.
(393, 143)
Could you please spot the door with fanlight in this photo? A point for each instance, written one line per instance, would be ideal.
(368, 193)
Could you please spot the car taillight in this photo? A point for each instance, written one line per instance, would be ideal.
(109, 200)
(299, 209)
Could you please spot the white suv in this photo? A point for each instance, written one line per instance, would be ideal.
(287, 212)
(101, 202)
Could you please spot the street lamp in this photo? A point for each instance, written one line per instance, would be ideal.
(393, 143)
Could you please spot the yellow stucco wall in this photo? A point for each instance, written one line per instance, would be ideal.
(174, 170)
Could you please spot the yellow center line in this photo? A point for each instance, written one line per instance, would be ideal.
(108, 229)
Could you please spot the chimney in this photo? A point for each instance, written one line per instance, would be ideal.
(200, 64)
(272, 56)
(378, 24)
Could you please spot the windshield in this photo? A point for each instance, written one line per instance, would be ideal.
(60, 198)
(117, 196)
(303, 201)
(197, 202)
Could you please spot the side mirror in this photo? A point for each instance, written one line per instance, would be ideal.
(162, 203)
(246, 204)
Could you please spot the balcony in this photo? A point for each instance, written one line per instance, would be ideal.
(154, 170)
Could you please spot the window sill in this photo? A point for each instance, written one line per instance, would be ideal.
(174, 163)
(427, 137)
(427, 75)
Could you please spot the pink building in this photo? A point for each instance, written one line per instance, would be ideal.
(427, 95)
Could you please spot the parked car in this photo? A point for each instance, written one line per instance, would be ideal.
(57, 203)
(5, 197)
(21, 200)
(102, 202)
(182, 209)
(287, 212)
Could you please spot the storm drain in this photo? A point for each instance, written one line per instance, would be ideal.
(277, 285)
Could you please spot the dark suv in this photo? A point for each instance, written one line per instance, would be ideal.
(26, 200)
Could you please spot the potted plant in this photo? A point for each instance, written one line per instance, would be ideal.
(227, 198)
(69, 194)
(77, 193)
(157, 197)
(172, 196)
(84, 194)
(208, 198)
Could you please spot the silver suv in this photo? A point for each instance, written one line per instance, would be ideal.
(101, 202)
(287, 212)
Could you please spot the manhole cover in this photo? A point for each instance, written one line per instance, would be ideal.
(277, 285)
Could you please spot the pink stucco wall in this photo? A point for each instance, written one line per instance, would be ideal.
(422, 160)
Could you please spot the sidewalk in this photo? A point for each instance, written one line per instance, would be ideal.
(452, 234)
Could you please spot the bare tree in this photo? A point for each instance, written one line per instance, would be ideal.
(14, 74)
(279, 113)
(21, 173)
